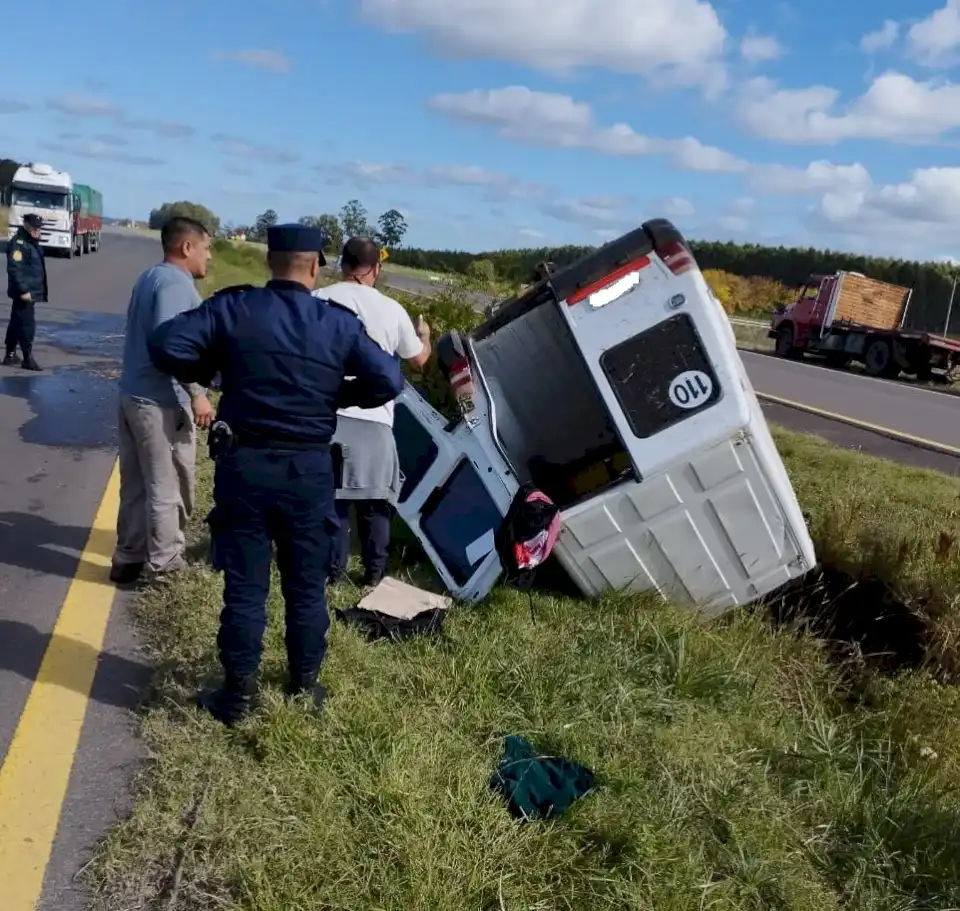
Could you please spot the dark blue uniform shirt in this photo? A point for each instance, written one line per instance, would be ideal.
(282, 355)
(26, 268)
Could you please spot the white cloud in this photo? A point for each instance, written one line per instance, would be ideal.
(552, 120)
(494, 184)
(909, 219)
(882, 39)
(817, 177)
(83, 106)
(100, 150)
(935, 41)
(261, 59)
(675, 207)
(895, 108)
(680, 41)
(760, 48)
(235, 147)
(600, 211)
(79, 105)
(12, 106)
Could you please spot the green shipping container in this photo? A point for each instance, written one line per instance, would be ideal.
(91, 201)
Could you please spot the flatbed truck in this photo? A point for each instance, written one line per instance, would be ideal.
(848, 317)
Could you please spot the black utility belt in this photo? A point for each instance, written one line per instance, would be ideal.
(243, 442)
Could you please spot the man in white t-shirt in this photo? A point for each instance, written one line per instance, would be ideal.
(371, 467)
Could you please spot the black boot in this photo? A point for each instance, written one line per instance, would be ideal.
(232, 701)
(306, 685)
(30, 364)
(11, 359)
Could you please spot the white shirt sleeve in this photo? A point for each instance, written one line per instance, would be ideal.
(408, 343)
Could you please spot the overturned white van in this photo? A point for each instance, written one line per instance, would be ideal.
(614, 385)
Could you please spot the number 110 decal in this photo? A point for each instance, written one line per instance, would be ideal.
(690, 389)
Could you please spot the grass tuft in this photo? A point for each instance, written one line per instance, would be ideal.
(734, 769)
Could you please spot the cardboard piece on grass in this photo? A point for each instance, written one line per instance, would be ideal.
(402, 601)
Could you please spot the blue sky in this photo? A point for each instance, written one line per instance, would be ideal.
(495, 123)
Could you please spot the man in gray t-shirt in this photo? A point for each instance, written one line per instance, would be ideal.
(158, 414)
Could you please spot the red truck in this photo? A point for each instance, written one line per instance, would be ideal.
(848, 317)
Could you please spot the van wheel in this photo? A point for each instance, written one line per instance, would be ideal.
(785, 346)
(878, 359)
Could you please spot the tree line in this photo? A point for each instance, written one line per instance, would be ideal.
(353, 220)
(8, 168)
(788, 267)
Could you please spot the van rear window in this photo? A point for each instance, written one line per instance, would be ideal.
(416, 449)
(456, 517)
(661, 376)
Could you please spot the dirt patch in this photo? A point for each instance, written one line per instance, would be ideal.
(857, 617)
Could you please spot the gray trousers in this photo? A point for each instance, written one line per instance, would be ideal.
(157, 484)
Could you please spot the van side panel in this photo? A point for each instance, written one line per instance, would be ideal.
(709, 532)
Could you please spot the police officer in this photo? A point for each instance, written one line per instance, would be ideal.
(283, 357)
(26, 286)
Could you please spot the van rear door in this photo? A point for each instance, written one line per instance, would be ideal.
(656, 345)
(455, 491)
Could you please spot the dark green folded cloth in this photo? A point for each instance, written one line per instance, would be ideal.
(538, 787)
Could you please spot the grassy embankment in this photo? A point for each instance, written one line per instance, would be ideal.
(4, 221)
(741, 766)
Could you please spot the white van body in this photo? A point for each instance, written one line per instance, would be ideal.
(614, 386)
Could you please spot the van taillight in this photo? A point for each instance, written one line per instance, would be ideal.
(625, 275)
(676, 257)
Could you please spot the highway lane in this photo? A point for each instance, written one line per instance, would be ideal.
(899, 406)
(57, 450)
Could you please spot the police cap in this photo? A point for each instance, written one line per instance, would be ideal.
(296, 239)
(30, 220)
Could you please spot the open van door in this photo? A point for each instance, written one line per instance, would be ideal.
(455, 491)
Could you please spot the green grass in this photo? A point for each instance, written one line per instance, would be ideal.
(740, 767)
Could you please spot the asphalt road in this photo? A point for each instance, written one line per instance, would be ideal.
(57, 449)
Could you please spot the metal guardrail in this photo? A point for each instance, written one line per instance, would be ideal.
(737, 321)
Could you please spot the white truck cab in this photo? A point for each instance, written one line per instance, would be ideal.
(43, 191)
(614, 385)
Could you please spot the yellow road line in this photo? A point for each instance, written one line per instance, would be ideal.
(897, 435)
(35, 774)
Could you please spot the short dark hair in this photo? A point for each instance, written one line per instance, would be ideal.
(178, 229)
(286, 262)
(360, 253)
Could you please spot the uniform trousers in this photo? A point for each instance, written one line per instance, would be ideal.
(265, 497)
(22, 327)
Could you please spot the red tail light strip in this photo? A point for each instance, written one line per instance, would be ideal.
(635, 265)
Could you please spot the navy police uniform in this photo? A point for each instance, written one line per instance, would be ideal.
(26, 275)
(282, 356)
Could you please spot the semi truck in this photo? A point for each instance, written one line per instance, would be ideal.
(87, 219)
(40, 189)
(848, 317)
(71, 214)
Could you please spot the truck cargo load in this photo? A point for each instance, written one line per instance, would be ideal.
(848, 317)
(88, 219)
(614, 386)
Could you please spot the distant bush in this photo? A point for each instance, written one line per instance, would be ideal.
(747, 295)
(184, 209)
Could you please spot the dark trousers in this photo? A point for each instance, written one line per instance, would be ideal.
(22, 327)
(373, 526)
(286, 498)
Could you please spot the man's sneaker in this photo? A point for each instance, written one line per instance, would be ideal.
(30, 364)
(231, 702)
(125, 573)
(11, 360)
